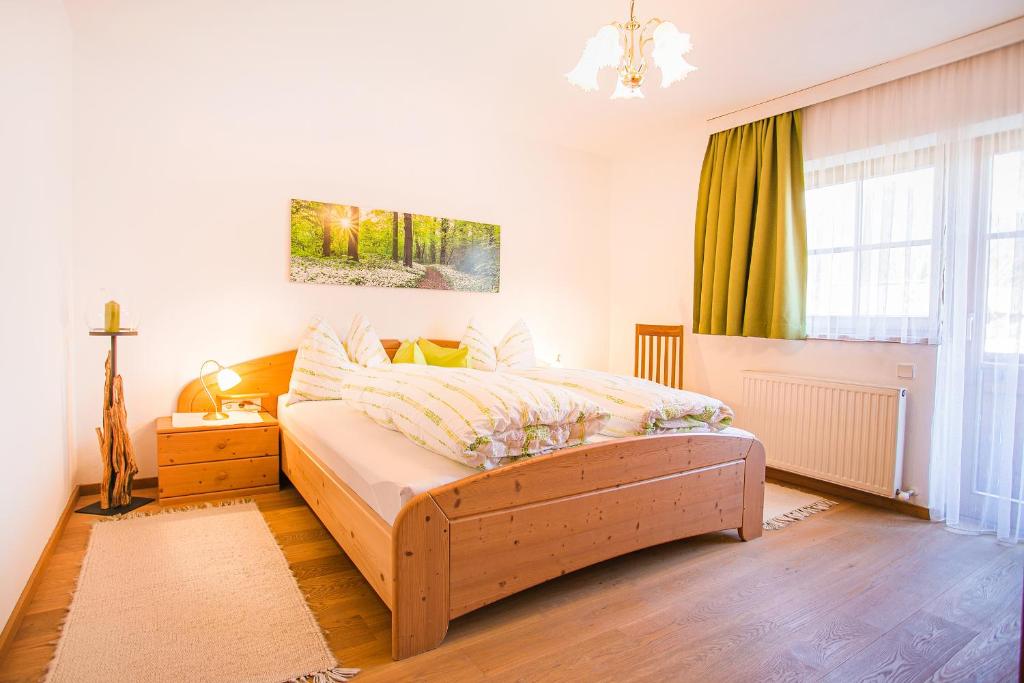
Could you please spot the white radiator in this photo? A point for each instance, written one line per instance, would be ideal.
(848, 434)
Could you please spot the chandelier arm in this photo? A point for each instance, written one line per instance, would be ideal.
(644, 38)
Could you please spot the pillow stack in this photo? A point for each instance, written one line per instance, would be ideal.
(320, 363)
(444, 357)
(409, 353)
(514, 352)
(322, 359)
(364, 344)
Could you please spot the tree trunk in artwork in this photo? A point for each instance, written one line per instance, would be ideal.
(116, 451)
(407, 219)
(323, 215)
(354, 215)
(444, 242)
(394, 237)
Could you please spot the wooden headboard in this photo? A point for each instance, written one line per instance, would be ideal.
(270, 374)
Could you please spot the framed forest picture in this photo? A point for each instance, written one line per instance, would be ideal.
(349, 245)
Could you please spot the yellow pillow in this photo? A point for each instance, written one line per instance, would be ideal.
(443, 357)
(409, 352)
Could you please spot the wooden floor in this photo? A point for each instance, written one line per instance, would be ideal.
(851, 594)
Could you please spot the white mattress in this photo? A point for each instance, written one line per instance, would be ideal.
(383, 467)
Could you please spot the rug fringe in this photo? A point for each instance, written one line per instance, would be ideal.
(782, 521)
(336, 675)
(339, 673)
(180, 508)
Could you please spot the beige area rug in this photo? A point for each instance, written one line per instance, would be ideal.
(783, 505)
(201, 594)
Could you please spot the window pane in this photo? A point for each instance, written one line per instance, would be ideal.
(830, 284)
(1008, 192)
(899, 207)
(895, 282)
(1003, 304)
(831, 216)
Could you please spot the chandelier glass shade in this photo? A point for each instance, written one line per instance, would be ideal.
(624, 46)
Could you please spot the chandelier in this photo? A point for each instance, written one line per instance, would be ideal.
(622, 46)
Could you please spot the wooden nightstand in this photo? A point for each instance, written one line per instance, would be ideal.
(210, 460)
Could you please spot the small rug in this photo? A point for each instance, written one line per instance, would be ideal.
(783, 505)
(195, 594)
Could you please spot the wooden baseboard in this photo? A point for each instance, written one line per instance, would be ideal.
(18, 613)
(831, 489)
(94, 489)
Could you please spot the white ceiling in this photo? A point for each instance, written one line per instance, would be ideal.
(500, 64)
(508, 57)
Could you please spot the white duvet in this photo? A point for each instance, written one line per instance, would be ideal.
(637, 406)
(482, 419)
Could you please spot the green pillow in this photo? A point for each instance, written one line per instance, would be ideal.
(409, 352)
(444, 357)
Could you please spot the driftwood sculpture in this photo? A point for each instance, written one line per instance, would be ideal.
(119, 468)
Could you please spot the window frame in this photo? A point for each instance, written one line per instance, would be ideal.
(984, 171)
(922, 329)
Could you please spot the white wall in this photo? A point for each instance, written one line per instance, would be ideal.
(654, 207)
(35, 233)
(193, 131)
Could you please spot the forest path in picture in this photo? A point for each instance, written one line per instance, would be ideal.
(433, 279)
(348, 245)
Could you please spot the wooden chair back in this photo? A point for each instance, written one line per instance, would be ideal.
(658, 354)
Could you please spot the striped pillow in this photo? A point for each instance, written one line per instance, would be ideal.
(320, 364)
(482, 355)
(515, 352)
(364, 345)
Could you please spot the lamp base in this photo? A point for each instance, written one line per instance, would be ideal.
(216, 415)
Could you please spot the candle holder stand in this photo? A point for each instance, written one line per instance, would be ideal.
(116, 451)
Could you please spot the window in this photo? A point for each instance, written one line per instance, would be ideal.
(871, 241)
(1004, 244)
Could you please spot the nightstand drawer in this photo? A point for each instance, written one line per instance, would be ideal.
(219, 444)
(222, 475)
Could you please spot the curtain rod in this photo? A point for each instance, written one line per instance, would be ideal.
(867, 68)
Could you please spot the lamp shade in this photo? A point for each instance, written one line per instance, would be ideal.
(626, 92)
(603, 50)
(227, 378)
(669, 47)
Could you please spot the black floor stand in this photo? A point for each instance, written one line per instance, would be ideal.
(95, 509)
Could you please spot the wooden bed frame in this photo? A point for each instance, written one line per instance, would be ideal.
(464, 545)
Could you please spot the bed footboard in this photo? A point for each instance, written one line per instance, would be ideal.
(464, 545)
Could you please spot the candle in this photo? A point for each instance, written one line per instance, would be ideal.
(112, 316)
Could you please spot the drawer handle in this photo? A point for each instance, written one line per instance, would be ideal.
(222, 445)
(221, 476)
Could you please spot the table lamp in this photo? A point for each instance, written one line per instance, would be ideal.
(226, 379)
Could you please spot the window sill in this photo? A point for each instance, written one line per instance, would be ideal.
(893, 340)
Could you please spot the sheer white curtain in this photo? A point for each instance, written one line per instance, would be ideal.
(882, 174)
(916, 234)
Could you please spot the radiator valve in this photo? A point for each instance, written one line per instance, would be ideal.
(905, 495)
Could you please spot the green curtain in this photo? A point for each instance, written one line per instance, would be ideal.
(750, 242)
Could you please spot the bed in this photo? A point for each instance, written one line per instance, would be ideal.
(443, 540)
